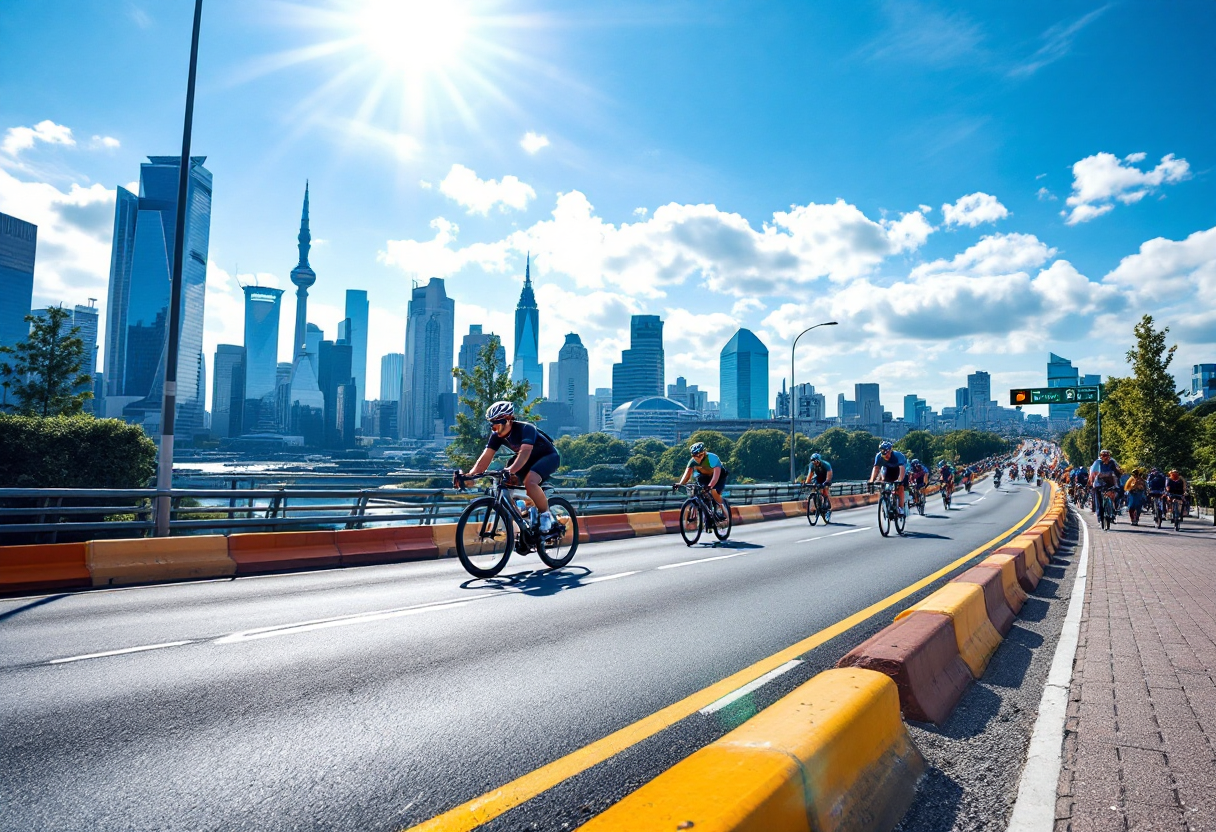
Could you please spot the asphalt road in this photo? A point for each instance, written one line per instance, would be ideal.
(378, 697)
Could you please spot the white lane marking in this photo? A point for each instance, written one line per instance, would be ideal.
(981, 499)
(610, 577)
(851, 531)
(1035, 808)
(750, 686)
(809, 539)
(141, 649)
(701, 560)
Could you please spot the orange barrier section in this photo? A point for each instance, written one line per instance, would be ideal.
(772, 511)
(1011, 578)
(605, 527)
(444, 537)
(272, 551)
(52, 566)
(746, 514)
(391, 544)
(147, 560)
(671, 520)
(646, 523)
(797, 508)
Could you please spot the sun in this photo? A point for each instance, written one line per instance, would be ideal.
(413, 36)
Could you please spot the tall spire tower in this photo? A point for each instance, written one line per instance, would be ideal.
(303, 276)
(526, 364)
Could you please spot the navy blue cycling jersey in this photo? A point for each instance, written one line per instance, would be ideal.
(1156, 483)
(897, 459)
(522, 434)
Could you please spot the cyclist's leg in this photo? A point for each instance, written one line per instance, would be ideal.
(535, 475)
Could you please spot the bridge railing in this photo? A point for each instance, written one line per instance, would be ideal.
(49, 515)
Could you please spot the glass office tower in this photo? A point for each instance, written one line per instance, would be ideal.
(640, 372)
(262, 306)
(18, 242)
(743, 372)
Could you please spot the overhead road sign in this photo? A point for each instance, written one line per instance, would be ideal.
(1055, 395)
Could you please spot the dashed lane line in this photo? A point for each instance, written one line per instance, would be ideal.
(141, 649)
(750, 686)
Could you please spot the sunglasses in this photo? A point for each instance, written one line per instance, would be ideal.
(498, 422)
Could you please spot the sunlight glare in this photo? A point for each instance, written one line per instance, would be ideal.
(413, 35)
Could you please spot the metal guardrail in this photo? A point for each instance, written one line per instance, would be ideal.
(49, 514)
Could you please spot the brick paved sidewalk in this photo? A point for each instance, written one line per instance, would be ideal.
(1140, 739)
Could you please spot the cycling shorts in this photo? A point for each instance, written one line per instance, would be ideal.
(705, 478)
(892, 475)
(545, 466)
(816, 482)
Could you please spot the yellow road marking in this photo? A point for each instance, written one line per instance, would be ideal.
(490, 805)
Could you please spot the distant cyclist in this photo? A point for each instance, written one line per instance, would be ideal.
(1155, 482)
(1103, 474)
(894, 468)
(1175, 488)
(710, 473)
(819, 475)
(945, 472)
(535, 457)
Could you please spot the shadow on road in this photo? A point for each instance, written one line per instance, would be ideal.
(926, 535)
(533, 581)
(1012, 659)
(30, 606)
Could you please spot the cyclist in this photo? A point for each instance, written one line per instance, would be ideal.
(918, 478)
(1175, 489)
(967, 478)
(820, 473)
(711, 473)
(945, 472)
(1103, 474)
(535, 460)
(1135, 490)
(894, 467)
(1156, 487)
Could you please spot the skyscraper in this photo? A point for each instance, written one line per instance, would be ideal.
(355, 332)
(227, 391)
(85, 317)
(573, 370)
(470, 347)
(846, 411)
(1203, 381)
(526, 364)
(430, 341)
(688, 395)
(743, 370)
(334, 372)
(303, 277)
(138, 303)
(18, 245)
(961, 398)
(392, 368)
(1061, 373)
(869, 406)
(640, 372)
(262, 307)
(979, 394)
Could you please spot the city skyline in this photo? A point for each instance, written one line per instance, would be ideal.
(954, 237)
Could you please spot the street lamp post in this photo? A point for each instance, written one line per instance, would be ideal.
(168, 413)
(793, 394)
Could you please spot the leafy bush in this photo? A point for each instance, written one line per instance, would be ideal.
(74, 452)
(641, 468)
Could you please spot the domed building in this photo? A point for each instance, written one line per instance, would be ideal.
(654, 417)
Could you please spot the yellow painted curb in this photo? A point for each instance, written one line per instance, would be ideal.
(645, 523)
(444, 535)
(1034, 542)
(797, 508)
(832, 755)
(151, 559)
(977, 639)
(1014, 594)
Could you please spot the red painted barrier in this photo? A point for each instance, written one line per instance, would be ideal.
(50, 566)
(392, 544)
(273, 551)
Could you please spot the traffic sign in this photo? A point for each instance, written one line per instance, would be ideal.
(1055, 395)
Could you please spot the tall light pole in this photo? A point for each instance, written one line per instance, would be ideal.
(793, 409)
(168, 413)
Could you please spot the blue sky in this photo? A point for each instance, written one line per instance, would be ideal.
(767, 165)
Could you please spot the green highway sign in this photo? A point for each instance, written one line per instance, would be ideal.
(1054, 395)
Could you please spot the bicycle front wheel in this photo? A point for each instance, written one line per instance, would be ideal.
(813, 509)
(485, 537)
(557, 547)
(691, 522)
(884, 516)
(722, 527)
(901, 519)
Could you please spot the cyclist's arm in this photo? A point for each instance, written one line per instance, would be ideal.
(687, 475)
(903, 472)
(717, 475)
(482, 463)
(828, 479)
(874, 474)
(521, 458)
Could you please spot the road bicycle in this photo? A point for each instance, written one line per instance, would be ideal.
(888, 511)
(996, 479)
(1106, 511)
(817, 506)
(699, 512)
(947, 495)
(1158, 502)
(490, 527)
(1176, 513)
(916, 499)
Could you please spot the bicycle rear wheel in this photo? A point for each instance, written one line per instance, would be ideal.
(884, 517)
(722, 527)
(485, 537)
(1177, 519)
(691, 522)
(900, 520)
(813, 508)
(557, 547)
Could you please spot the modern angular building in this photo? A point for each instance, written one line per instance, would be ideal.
(743, 371)
(339, 392)
(979, 397)
(262, 308)
(1203, 381)
(18, 246)
(640, 372)
(430, 339)
(470, 348)
(392, 369)
(1061, 373)
(354, 331)
(227, 391)
(137, 307)
(573, 372)
(869, 407)
(688, 395)
(526, 366)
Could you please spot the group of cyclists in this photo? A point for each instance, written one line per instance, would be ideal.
(1134, 490)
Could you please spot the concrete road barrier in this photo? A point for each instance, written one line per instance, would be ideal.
(273, 551)
(646, 523)
(746, 514)
(988, 579)
(1011, 568)
(977, 639)
(147, 560)
(832, 756)
(387, 544)
(49, 566)
(595, 527)
(443, 535)
(920, 654)
(1028, 579)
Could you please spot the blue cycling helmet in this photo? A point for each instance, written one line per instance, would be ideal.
(884, 447)
(916, 462)
(815, 457)
(699, 447)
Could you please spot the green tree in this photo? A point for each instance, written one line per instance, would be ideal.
(600, 476)
(1155, 428)
(967, 446)
(641, 468)
(488, 382)
(74, 452)
(590, 449)
(44, 376)
(851, 452)
(650, 448)
(758, 455)
(919, 444)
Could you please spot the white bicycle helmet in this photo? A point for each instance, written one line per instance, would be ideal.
(499, 410)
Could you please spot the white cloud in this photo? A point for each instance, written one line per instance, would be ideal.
(1045, 195)
(745, 306)
(17, 139)
(105, 142)
(973, 209)
(1101, 179)
(994, 254)
(436, 257)
(480, 195)
(533, 142)
(1057, 43)
(1176, 281)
